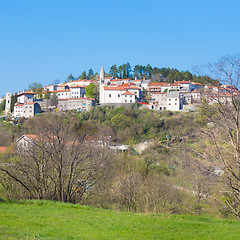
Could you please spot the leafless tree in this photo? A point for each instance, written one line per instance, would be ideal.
(224, 131)
(56, 164)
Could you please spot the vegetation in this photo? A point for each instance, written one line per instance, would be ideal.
(55, 220)
(2, 105)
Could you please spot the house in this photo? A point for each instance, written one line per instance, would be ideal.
(25, 107)
(77, 91)
(25, 97)
(26, 141)
(98, 141)
(145, 83)
(52, 87)
(185, 86)
(126, 92)
(27, 110)
(62, 94)
(171, 101)
(81, 104)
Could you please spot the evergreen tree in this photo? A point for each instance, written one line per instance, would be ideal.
(114, 71)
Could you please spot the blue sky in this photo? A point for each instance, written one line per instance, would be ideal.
(44, 40)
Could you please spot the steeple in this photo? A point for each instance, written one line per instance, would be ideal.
(102, 74)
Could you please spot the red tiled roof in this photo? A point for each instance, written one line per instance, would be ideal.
(196, 83)
(3, 149)
(126, 79)
(26, 93)
(32, 137)
(67, 90)
(158, 84)
(128, 93)
(121, 88)
(182, 82)
(78, 86)
(65, 99)
(30, 103)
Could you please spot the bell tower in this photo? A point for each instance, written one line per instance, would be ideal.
(8, 103)
(101, 86)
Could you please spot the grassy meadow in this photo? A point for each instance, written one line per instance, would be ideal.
(37, 219)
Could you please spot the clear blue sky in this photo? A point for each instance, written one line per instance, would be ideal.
(44, 40)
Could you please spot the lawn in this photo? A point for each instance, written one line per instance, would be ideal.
(56, 220)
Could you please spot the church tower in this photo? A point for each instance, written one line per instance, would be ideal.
(8, 103)
(101, 86)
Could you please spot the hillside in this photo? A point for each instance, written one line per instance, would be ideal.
(55, 220)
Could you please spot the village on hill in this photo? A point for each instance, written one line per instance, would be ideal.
(71, 95)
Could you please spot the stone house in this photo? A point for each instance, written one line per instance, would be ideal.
(81, 104)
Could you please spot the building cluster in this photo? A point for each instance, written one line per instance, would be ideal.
(180, 95)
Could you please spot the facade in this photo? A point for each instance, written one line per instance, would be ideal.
(27, 110)
(25, 97)
(81, 104)
(52, 87)
(115, 93)
(77, 91)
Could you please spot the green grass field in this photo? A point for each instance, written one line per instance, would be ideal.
(56, 220)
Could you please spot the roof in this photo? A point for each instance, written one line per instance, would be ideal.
(18, 104)
(121, 88)
(158, 93)
(78, 86)
(67, 90)
(117, 79)
(196, 83)
(182, 82)
(3, 149)
(32, 137)
(174, 94)
(86, 98)
(158, 84)
(29, 103)
(26, 93)
(128, 93)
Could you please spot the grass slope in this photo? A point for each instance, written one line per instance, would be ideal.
(55, 220)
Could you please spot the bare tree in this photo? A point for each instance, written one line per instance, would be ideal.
(56, 164)
(224, 131)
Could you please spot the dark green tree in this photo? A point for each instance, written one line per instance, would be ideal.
(13, 101)
(70, 77)
(2, 105)
(83, 75)
(114, 71)
(90, 74)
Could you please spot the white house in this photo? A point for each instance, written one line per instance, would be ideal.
(118, 94)
(25, 97)
(27, 110)
(77, 91)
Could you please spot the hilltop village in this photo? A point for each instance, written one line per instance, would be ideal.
(71, 95)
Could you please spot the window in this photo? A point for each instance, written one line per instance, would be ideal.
(175, 103)
(125, 100)
(118, 95)
(169, 103)
(130, 100)
(169, 99)
(125, 95)
(109, 95)
(130, 95)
